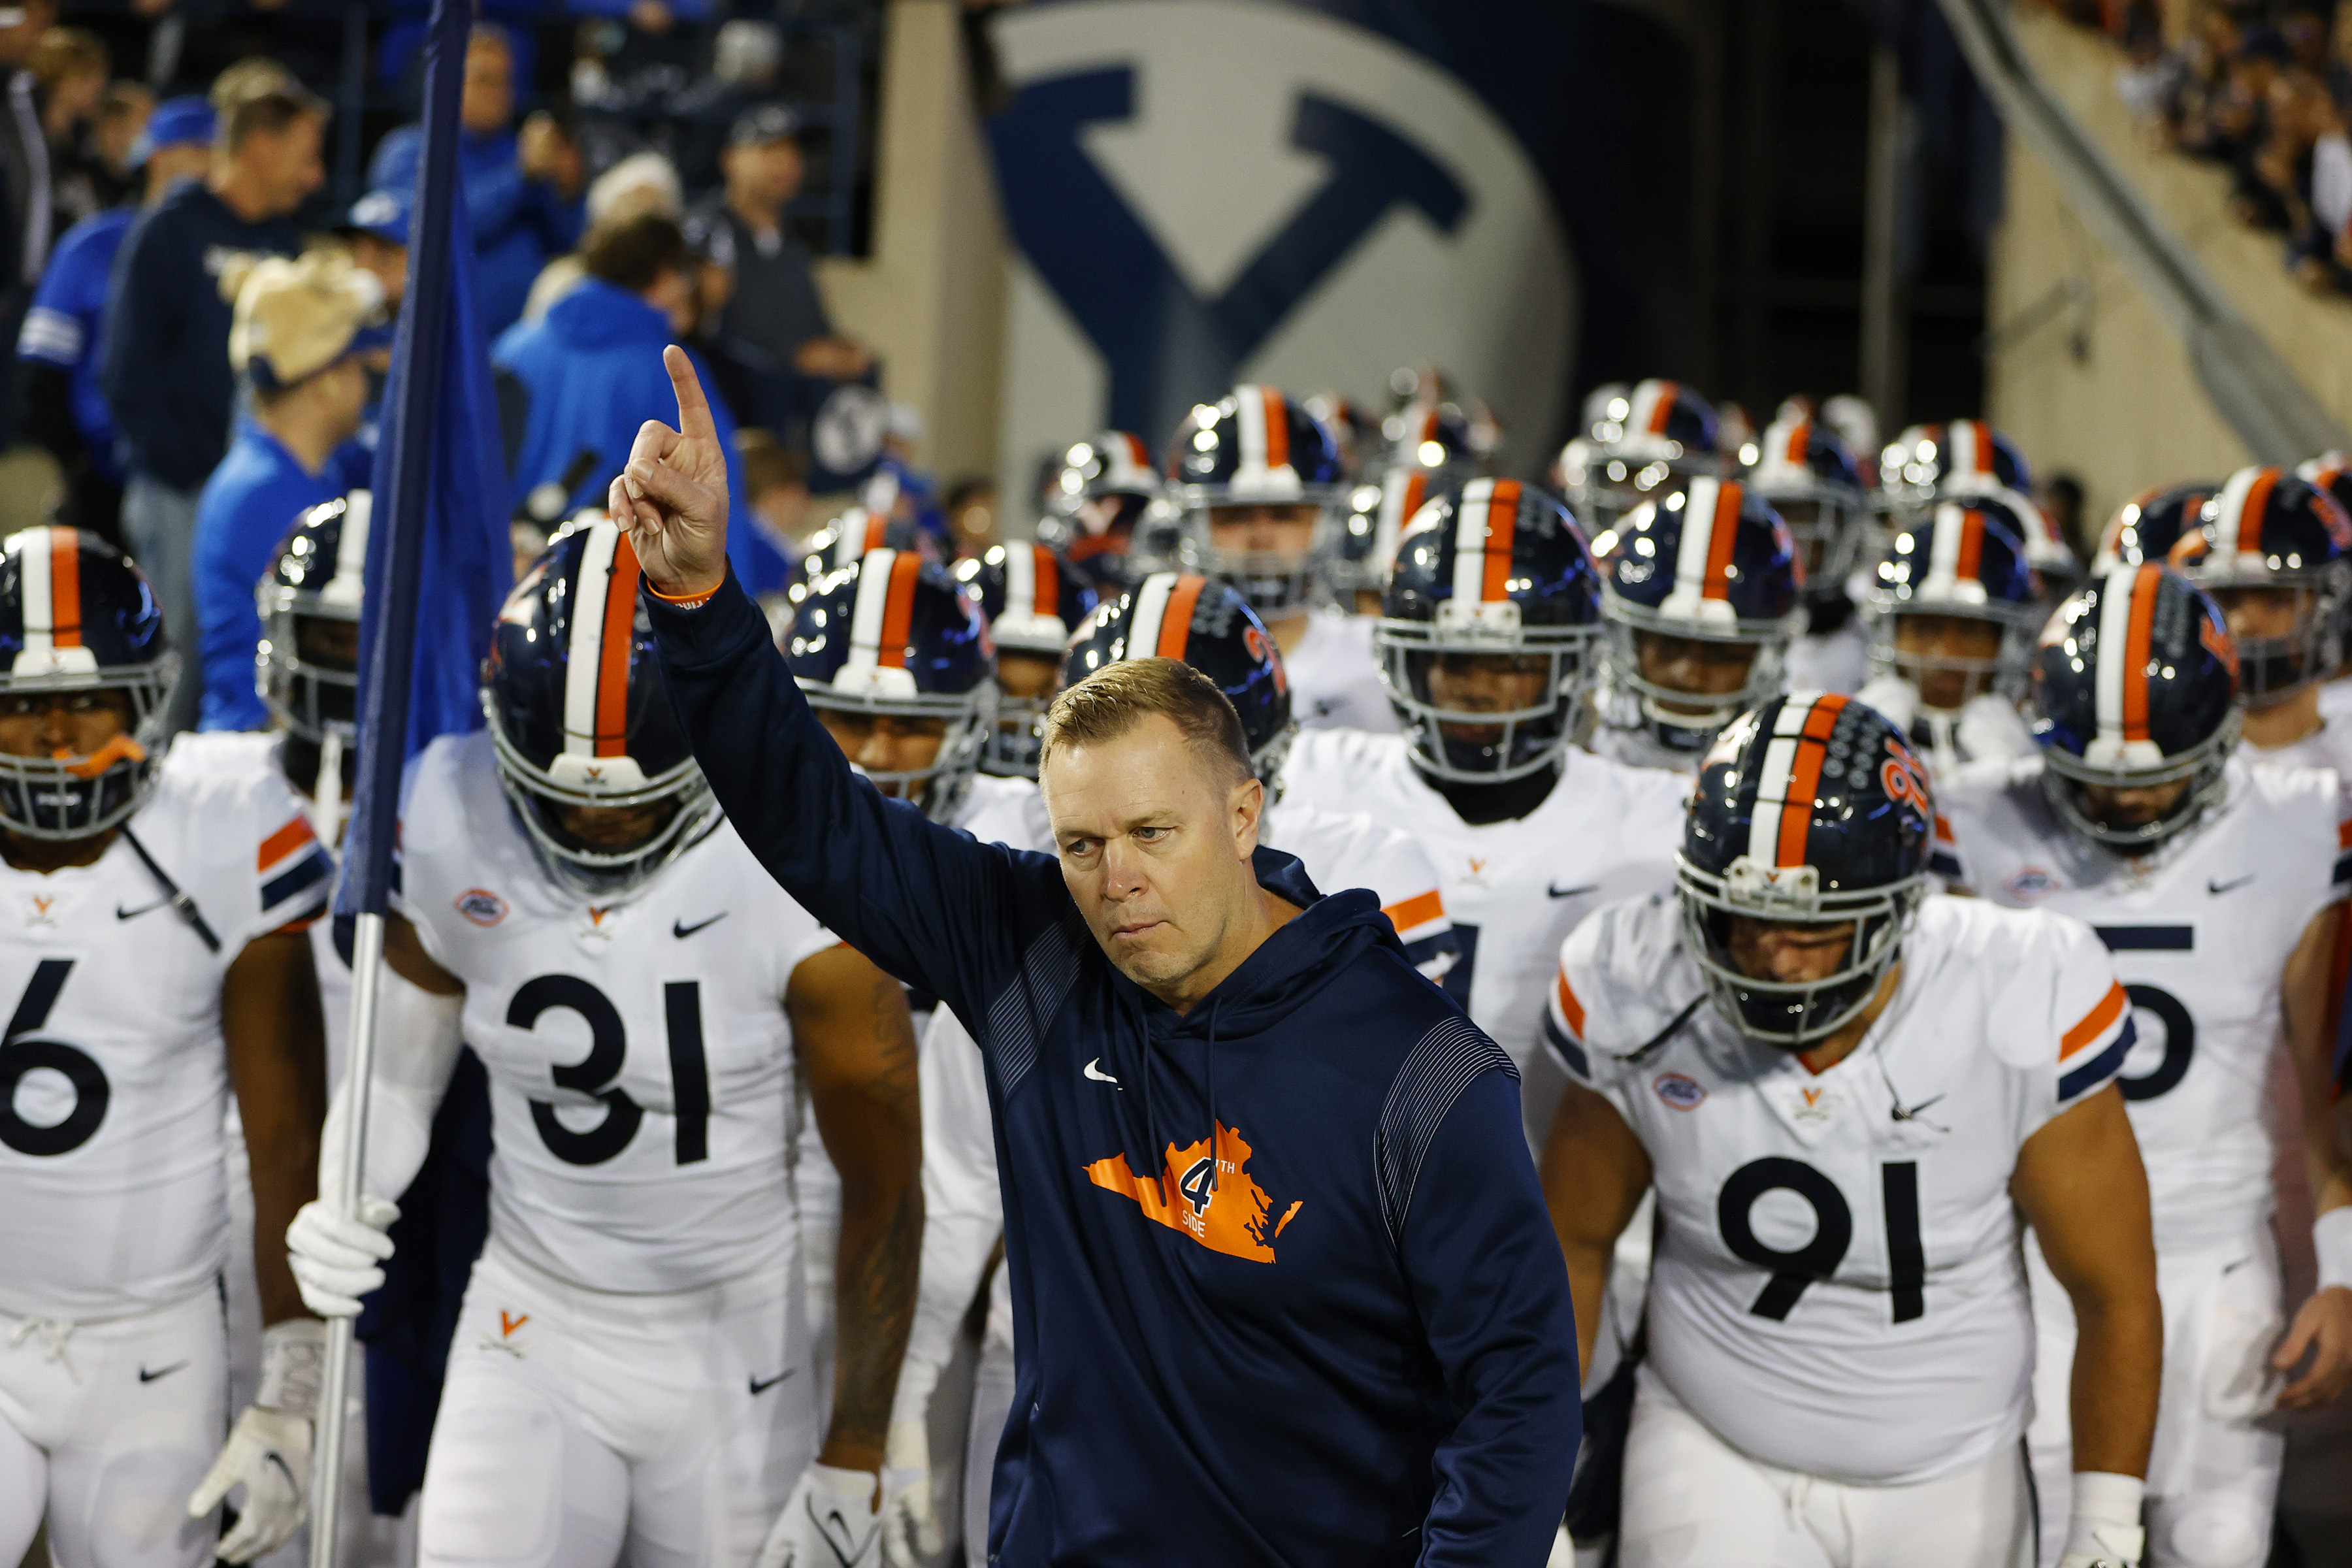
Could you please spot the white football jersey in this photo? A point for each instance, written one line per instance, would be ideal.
(2200, 932)
(1838, 1288)
(1511, 889)
(113, 1075)
(641, 1069)
(1006, 811)
(1836, 661)
(1335, 675)
(2330, 746)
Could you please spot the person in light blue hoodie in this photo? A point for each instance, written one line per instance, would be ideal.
(589, 372)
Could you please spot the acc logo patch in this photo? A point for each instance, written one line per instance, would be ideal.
(481, 906)
(1679, 1091)
(2031, 882)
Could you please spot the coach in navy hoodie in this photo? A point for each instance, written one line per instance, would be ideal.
(1283, 1288)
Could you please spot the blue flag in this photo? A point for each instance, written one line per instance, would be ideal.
(439, 562)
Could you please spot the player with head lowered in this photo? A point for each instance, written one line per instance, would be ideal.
(2218, 885)
(1282, 1287)
(632, 1375)
(153, 944)
(1846, 1095)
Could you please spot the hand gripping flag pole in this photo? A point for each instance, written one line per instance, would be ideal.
(405, 485)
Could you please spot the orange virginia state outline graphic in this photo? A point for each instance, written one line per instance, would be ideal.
(1230, 1218)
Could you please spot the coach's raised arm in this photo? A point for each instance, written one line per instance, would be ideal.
(1286, 1290)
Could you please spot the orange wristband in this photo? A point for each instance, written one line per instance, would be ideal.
(686, 601)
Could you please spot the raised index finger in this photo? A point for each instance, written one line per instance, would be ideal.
(694, 420)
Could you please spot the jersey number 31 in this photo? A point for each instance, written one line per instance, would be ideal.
(608, 1050)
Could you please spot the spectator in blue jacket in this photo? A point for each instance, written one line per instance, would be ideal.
(65, 407)
(300, 331)
(522, 192)
(589, 372)
(165, 359)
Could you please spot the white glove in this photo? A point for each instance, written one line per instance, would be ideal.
(2105, 1531)
(268, 1450)
(830, 1521)
(335, 1259)
(910, 1523)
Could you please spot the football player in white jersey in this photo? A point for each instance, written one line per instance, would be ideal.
(1701, 595)
(1098, 493)
(1953, 609)
(2274, 552)
(1422, 451)
(158, 962)
(1489, 639)
(1253, 473)
(631, 1377)
(1211, 627)
(1641, 443)
(1845, 1093)
(1808, 475)
(2216, 886)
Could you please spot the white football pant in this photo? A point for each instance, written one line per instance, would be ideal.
(1692, 1501)
(105, 1427)
(577, 1426)
(2212, 1476)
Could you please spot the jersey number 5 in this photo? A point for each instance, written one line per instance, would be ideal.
(19, 1056)
(608, 1051)
(1791, 1272)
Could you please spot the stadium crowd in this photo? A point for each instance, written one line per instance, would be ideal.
(1908, 939)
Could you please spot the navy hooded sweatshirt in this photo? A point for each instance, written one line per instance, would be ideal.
(1345, 1339)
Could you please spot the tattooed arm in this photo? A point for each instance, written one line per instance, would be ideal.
(856, 1049)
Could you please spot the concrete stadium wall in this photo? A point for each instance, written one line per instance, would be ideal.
(930, 298)
(2078, 368)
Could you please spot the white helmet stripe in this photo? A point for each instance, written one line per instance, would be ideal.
(1150, 609)
(347, 585)
(1701, 503)
(2115, 632)
(1772, 779)
(2230, 510)
(1020, 580)
(33, 564)
(583, 665)
(1644, 412)
(866, 619)
(1470, 542)
(1250, 421)
(1944, 550)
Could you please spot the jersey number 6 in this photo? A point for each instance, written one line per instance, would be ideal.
(19, 1056)
(608, 1050)
(1906, 1259)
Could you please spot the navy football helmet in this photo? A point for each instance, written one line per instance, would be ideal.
(1709, 565)
(76, 618)
(1355, 429)
(609, 742)
(1963, 559)
(1810, 811)
(1098, 492)
(2135, 686)
(2147, 526)
(1252, 448)
(1928, 463)
(1032, 600)
(1496, 583)
(1655, 438)
(1809, 476)
(1211, 627)
(846, 539)
(2269, 536)
(890, 636)
(307, 665)
(1366, 531)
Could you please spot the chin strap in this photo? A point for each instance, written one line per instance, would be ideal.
(181, 905)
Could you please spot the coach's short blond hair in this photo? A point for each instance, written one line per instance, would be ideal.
(1117, 697)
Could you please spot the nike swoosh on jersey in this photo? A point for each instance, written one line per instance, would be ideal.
(681, 931)
(1557, 891)
(2217, 889)
(123, 914)
(1094, 1071)
(758, 1388)
(146, 1376)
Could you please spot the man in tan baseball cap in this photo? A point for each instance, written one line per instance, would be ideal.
(297, 339)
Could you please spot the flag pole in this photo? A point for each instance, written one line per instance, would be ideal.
(388, 634)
